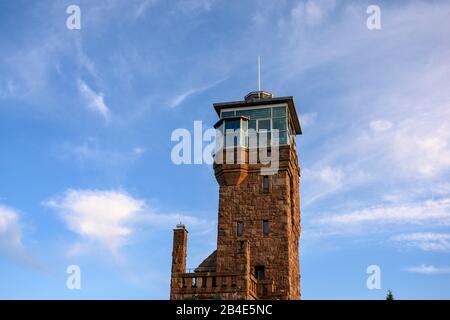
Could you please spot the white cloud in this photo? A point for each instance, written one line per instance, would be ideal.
(308, 119)
(428, 269)
(311, 12)
(421, 145)
(194, 5)
(139, 151)
(10, 230)
(426, 241)
(95, 100)
(380, 125)
(429, 212)
(323, 181)
(109, 218)
(330, 176)
(103, 217)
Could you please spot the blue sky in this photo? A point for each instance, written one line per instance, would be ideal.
(86, 118)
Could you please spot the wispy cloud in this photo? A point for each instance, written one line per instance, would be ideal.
(308, 119)
(426, 241)
(143, 6)
(428, 270)
(380, 125)
(327, 180)
(180, 98)
(196, 6)
(95, 101)
(11, 231)
(11, 240)
(312, 13)
(429, 212)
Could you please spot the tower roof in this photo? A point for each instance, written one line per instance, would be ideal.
(261, 98)
(209, 263)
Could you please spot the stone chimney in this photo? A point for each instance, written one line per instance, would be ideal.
(179, 249)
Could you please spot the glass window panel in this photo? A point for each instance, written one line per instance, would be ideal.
(252, 140)
(260, 273)
(232, 140)
(254, 113)
(252, 124)
(264, 139)
(283, 137)
(244, 124)
(263, 125)
(279, 123)
(232, 124)
(278, 112)
(227, 114)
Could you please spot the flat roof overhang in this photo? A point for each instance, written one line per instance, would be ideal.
(262, 102)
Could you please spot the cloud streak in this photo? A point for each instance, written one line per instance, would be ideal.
(11, 231)
(429, 212)
(426, 241)
(95, 101)
(428, 270)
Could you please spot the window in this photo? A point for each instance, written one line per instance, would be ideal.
(233, 132)
(279, 122)
(240, 228)
(266, 183)
(264, 121)
(260, 273)
(264, 125)
(227, 114)
(254, 113)
(279, 112)
(266, 227)
(203, 282)
(194, 282)
(232, 124)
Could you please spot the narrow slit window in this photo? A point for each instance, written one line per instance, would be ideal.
(260, 273)
(203, 282)
(266, 183)
(240, 228)
(266, 227)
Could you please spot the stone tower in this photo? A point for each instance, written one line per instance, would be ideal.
(257, 169)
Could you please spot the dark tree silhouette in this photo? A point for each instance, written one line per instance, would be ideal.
(389, 295)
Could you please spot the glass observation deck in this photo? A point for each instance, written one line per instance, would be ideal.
(256, 126)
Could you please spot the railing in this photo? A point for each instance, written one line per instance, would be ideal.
(207, 281)
(265, 289)
(214, 283)
(253, 287)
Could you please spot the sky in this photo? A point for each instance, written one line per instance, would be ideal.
(86, 117)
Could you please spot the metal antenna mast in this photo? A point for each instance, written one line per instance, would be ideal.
(259, 77)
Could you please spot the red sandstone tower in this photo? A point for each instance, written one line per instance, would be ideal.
(259, 207)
